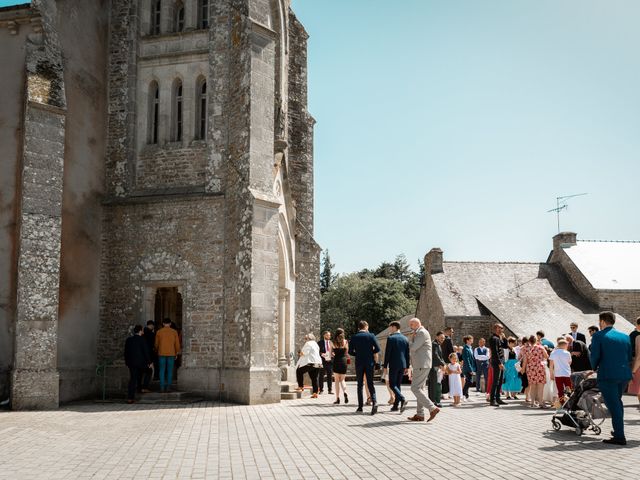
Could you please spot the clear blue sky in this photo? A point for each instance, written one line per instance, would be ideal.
(457, 123)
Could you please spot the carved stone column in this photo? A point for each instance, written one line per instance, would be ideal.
(283, 299)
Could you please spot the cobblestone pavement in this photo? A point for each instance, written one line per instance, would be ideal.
(305, 439)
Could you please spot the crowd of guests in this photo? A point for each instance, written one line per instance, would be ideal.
(149, 353)
(503, 368)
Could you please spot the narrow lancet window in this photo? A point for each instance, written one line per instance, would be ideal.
(203, 13)
(154, 112)
(201, 110)
(156, 8)
(179, 17)
(177, 111)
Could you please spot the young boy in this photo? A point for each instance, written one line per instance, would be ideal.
(560, 366)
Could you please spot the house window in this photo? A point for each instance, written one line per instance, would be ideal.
(201, 109)
(179, 17)
(156, 8)
(203, 13)
(154, 112)
(177, 111)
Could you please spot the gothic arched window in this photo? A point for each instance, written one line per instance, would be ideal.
(178, 21)
(203, 13)
(154, 113)
(156, 8)
(176, 116)
(201, 109)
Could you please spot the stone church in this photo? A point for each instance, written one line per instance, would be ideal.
(156, 160)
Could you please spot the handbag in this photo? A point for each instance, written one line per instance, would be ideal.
(518, 367)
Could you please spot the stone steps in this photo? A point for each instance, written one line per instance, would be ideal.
(288, 391)
(169, 397)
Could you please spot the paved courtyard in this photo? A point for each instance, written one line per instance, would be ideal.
(305, 439)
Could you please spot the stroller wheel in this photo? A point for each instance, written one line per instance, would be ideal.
(597, 430)
(579, 431)
(556, 424)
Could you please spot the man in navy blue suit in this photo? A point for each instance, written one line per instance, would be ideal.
(364, 347)
(396, 363)
(610, 356)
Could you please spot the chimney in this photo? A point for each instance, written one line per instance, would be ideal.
(564, 239)
(433, 261)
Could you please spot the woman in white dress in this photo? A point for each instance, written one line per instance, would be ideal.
(455, 382)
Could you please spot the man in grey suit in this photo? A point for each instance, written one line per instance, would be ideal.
(420, 348)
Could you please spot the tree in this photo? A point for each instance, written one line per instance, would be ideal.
(327, 277)
(353, 298)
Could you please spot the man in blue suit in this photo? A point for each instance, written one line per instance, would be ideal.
(610, 356)
(364, 347)
(396, 363)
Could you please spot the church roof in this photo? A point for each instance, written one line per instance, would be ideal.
(526, 297)
(607, 265)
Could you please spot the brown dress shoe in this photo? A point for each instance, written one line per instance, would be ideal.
(416, 418)
(433, 413)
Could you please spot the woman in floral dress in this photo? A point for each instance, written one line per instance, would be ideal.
(533, 364)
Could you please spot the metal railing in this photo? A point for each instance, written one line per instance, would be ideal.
(101, 371)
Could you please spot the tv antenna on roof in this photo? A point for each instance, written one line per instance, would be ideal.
(563, 204)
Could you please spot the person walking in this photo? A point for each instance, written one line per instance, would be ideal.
(611, 357)
(137, 358)
(364, 347)
(421, 350)
(340, 348)
(309, 361)
(436, 373)
(497, 365)
(396, 364)
(481, 355)
(327, 362)
(468, 365)
(167, 345)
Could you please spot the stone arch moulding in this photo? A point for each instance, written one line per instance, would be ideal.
(163, 269)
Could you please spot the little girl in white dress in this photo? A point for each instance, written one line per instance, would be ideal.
(455, 382)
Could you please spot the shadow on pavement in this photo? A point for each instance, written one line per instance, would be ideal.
(567, 440)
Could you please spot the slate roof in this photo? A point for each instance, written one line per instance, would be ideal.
(524, 296)
(607, 265)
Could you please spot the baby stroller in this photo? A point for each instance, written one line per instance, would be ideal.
(583, 407)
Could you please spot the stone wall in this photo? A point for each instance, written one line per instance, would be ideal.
(171, 166)
(429, 309)
(121, 77)
(176, 242)
(13, 37)
(83, 36)
(626, 303)
(34, 382)
(300, 169)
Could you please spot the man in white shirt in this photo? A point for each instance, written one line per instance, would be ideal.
(481, 354)
(560, 366)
